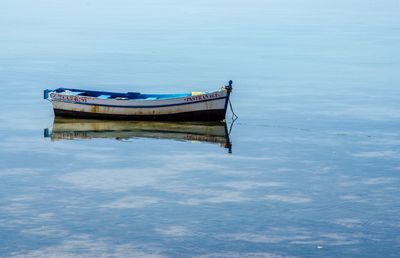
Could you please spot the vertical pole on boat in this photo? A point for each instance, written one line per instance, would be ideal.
(228, 89)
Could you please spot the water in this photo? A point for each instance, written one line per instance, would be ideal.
(315, 163)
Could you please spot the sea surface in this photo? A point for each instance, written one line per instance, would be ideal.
(314, 168)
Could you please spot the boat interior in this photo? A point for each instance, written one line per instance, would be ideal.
(124, 96)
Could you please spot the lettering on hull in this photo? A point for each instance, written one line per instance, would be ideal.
(203, 97)
(62, 97)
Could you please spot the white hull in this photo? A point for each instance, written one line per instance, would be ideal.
(210, 106)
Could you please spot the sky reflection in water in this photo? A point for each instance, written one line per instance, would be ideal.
(315, 165)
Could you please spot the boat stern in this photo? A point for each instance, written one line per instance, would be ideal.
(46, 94)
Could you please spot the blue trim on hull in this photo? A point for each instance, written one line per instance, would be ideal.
(128, 95)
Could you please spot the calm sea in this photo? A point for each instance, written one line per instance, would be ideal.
(315, 163)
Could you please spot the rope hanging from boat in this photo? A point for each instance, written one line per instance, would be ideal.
(234, 116)
(228, 88)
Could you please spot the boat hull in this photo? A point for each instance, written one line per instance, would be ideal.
(203, 115)
(205, 107)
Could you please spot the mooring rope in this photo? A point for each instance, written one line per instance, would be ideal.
(234, 116)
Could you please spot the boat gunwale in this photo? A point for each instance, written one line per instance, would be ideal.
(115, 95)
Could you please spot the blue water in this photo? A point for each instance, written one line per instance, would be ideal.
(315, 163)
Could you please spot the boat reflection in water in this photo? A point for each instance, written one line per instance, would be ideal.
(73, 129)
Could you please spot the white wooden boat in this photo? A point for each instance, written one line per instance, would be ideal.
(81, 129)
(200, 106)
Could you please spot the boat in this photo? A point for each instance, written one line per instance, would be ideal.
(85, 129)
(193, 106)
